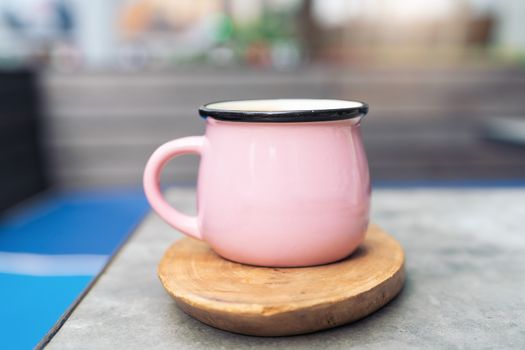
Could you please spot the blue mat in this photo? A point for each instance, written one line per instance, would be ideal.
(51, 249)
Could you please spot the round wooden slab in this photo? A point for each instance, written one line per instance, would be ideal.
(282, 301)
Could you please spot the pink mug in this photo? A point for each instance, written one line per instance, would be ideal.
(282, 182)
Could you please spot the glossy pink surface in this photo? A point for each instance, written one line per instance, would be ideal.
(273, 194)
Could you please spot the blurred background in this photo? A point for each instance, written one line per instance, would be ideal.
(88, 89)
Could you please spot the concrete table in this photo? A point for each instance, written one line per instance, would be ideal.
(465, 283)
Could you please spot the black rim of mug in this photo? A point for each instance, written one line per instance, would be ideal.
(285, 116)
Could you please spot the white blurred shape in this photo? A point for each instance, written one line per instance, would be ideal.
(244, 11)
(331, 13)
(52, 265)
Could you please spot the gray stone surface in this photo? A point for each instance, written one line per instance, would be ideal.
(464, 290)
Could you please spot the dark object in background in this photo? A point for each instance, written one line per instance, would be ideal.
(22, 172)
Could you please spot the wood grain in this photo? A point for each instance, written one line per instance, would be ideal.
(282, 301)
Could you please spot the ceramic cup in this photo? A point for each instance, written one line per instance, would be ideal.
(282, 182)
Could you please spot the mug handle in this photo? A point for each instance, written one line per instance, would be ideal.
(156, 163)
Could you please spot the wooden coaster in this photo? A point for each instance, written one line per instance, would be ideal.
(282, 301)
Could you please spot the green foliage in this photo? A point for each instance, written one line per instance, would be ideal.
(271, 27)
